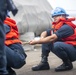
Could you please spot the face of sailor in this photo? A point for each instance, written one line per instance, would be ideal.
(56, 18)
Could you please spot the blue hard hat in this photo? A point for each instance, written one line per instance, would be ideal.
(59, 11)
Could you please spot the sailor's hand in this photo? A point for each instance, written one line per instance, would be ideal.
(33, 42)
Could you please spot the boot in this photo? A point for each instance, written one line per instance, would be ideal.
(65, 66)
(11, 71)
(4, 74)
(44, 65)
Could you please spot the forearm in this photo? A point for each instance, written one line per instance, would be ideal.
(47, 39)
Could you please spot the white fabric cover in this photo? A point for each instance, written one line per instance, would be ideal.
(33, 16)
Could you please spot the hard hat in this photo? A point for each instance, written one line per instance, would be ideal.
(59, 11)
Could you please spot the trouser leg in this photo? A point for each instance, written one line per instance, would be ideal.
(46, 48)
(64, 51)
(67, 53)
(44, 65)
(3, 61)
(15, 56)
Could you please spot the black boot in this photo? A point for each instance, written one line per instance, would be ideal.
(65, 66)
(4, 74)
(42, 66)
(11, 71)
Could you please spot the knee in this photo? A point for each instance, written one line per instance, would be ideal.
(47, 46)
(19, 62)
(18, 65)
(57, 47)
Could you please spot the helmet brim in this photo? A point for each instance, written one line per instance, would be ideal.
(61, 14)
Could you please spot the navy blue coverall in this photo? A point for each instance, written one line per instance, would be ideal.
(15, 54)
(61, 49)
(4, 6)
(3, 10)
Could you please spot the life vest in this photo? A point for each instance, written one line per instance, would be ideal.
(57, 25)
(12, 36)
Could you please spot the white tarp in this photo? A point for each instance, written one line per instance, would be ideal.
(33, 16)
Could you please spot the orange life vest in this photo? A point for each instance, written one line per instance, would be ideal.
(57, 25)
(12, 36)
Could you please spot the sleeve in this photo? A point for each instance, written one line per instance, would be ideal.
(7, 28)
(48, 32)
(64, 32)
